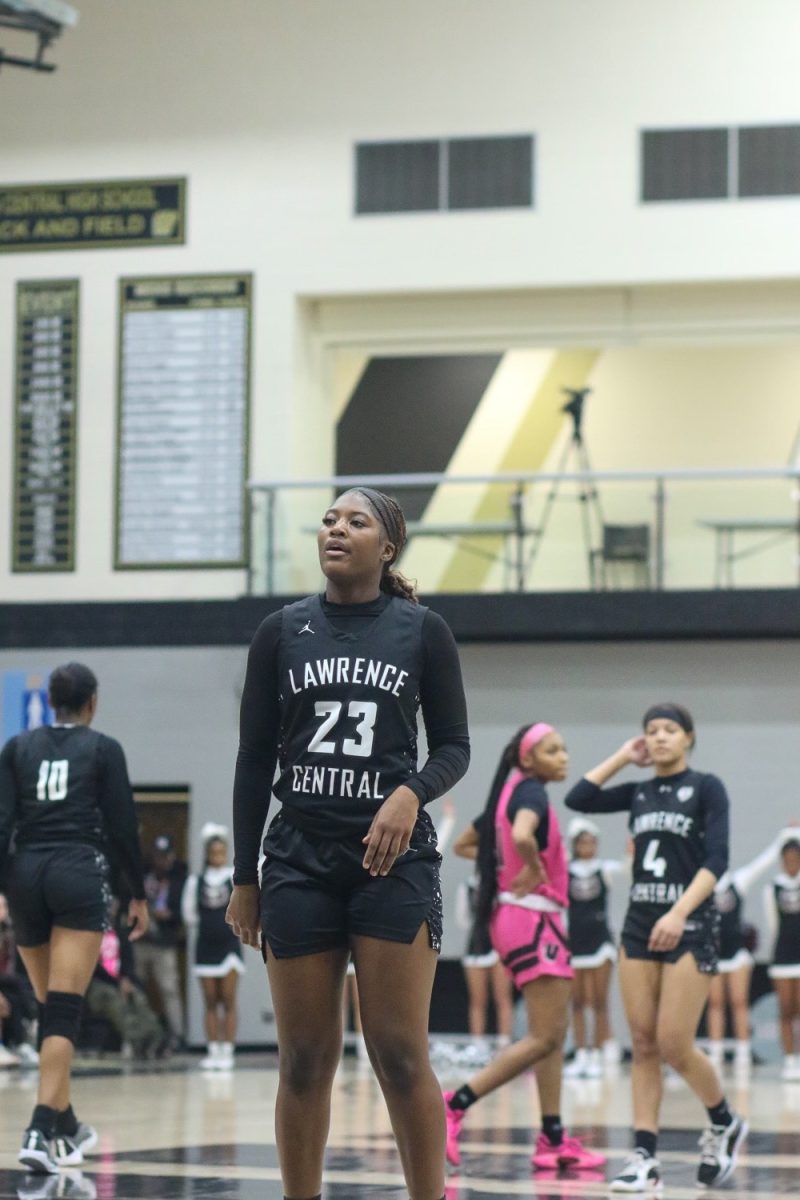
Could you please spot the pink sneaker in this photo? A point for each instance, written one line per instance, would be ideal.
(454, 1118)
(574, 1154)
(546, 1156)
(570, 1153)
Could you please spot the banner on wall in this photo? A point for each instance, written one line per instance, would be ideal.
(25, 703)
(87, 216)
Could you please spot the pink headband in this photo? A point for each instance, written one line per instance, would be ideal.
(534, 735)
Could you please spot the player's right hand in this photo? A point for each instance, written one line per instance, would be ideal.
(138, 919)
(636, 752)
(244, 914)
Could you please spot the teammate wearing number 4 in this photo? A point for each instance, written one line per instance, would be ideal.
(64, 790)
(679, 825)
(332, 690)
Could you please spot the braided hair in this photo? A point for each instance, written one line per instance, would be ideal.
(487, 845)
(390, 514)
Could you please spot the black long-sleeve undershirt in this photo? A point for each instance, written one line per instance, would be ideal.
(442, 701)
(588, 797)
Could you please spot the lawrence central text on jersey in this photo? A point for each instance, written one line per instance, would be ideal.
(349, 713)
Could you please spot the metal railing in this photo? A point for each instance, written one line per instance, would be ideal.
(628, 522)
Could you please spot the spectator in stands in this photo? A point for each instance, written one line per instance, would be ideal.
(116, 995)
(156, 954)
(17, 1005)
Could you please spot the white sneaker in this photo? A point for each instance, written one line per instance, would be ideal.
(7, 1059)
(716, 1053)
(640, 1173)
(790, 1071)
(209, 1063)
(578, 1068)
(225, 1057)
(27, 1055)
(594, 1065)
(719, 1145)
(612, 1053)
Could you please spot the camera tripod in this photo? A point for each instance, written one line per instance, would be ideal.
(575, 457)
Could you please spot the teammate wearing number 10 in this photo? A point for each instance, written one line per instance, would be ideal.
(332, 691)
(670, 939)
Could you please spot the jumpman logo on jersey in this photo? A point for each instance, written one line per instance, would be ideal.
(306, 629)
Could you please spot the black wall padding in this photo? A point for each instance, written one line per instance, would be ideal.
(504, 617)
(408, 415)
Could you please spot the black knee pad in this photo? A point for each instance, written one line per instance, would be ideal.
(62, 1015)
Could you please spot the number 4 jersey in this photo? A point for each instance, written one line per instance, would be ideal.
(349, 713)
(679, 823)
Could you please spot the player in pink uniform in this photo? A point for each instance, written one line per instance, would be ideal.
(523, 870)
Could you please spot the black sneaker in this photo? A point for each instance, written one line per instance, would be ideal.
(36, 1153)
(66, 1151)
(640, 1173)
(719, 1145)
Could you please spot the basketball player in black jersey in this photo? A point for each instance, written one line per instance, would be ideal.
(332, 690)
(64, 793)
(679, 825)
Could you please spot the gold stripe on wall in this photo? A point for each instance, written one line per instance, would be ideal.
(529, 441)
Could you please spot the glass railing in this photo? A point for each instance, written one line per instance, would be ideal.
(563, 532)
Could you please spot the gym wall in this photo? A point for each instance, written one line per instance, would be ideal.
(176, 713)
(260, 104)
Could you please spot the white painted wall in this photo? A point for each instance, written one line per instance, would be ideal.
(259, 102)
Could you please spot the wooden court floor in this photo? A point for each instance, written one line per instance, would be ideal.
(175, 1131)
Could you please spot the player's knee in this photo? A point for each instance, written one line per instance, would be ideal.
(675, 1049)
(643, 1044)
(62, 1015)
(398, 1063)
(306, 1066)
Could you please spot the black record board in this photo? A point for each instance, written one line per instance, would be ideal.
(45, 420)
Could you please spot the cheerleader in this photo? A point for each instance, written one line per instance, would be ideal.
(218, 954)
(481, 962)
(593, 949)
(732, 985)
(782, 902)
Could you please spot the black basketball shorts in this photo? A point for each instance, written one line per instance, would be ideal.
(316, 895)
(700, 938)
(65, 885)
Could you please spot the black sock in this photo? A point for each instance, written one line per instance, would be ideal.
(462, 1099)
(67, 1122)
(720, 1114)
(553, 1129)
(44, 1119)
(643, 1139)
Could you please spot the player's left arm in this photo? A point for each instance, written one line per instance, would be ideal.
(715, 808)
(444, 711)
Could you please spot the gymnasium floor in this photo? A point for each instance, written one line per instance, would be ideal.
(175, 1131)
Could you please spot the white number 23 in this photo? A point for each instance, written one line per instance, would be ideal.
(330, 711)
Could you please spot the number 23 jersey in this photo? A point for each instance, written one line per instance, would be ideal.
(349, 706)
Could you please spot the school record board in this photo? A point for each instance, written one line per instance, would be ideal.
(183, 414)
(45, 425)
